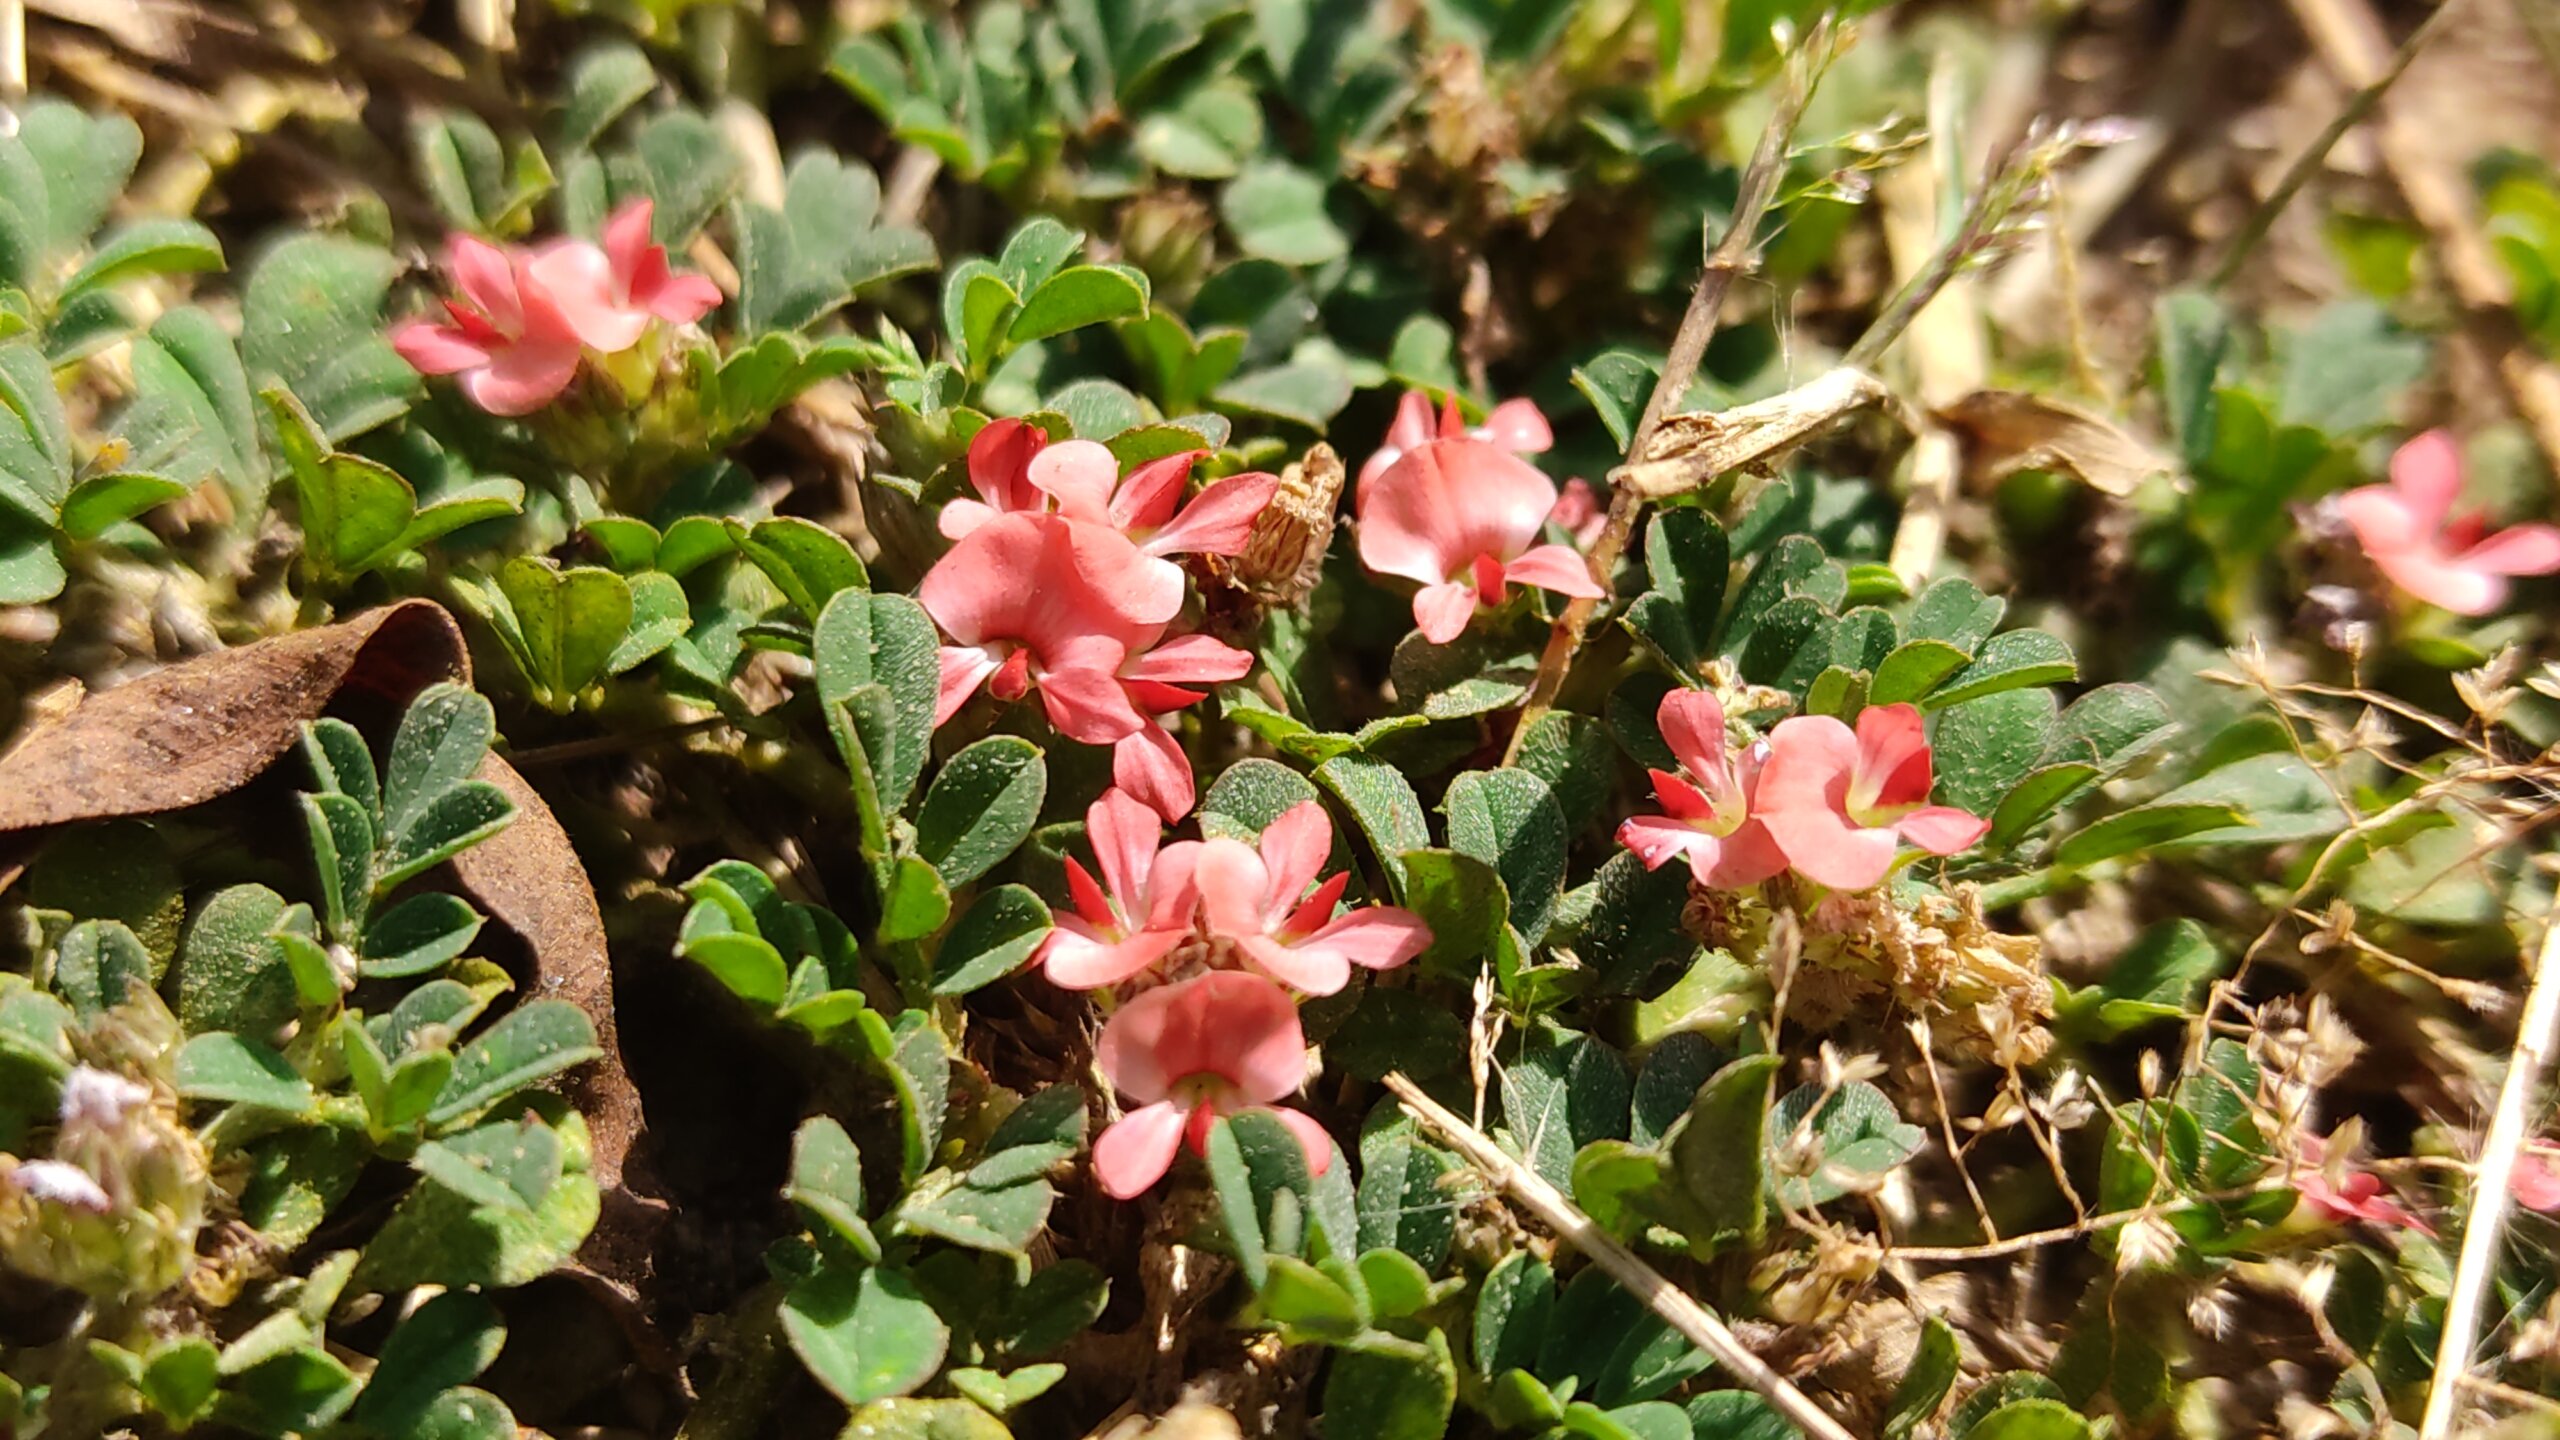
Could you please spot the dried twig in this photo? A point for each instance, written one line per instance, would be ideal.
(1732, 255)
(2491, 1197)
(13, 54)
(1949, 359)
(1667, 1300)
(2352, 43)
(2307, 164)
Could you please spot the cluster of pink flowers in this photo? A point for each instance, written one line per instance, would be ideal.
(2410, 531)
(1831, 803)
(1457, 510)
(1058, 581)
(527, 318)
(1211, 936)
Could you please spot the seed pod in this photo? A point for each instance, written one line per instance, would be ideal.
(1283, 559)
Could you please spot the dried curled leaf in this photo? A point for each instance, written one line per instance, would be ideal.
(2007, 431)
(1285, 553)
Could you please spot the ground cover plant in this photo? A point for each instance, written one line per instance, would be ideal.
(1218, 718)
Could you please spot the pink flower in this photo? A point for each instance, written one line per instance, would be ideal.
(1707, 805)
(1514, 425)
(2338, 1191)
(1462, 517)
(1188, 1054)
(2409, 531)
(1256, 904)
(2536, 1185)
(1158, 678)
(1043, 602)
(1836, 803)
(1013, 467)
(1140, 910)
(517, 341)
(1579, 513)
(510, 339)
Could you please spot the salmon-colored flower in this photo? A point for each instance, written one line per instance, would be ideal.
(526, 318)
(1014, 468)
(1462, 517)
(1255, 902)
(1043, 602)
(1188, 1054)
(1518, 426)
(1579, 513)
(2334, 1187)
(1140, 910)
(2410, 532)
(1707, 806)
(1838, 802)
(509, 338)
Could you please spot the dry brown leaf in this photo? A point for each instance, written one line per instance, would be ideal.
(193, 732)
(2007, 431)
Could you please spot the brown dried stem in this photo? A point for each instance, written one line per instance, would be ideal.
(1676, 1306)
(1733, 254)
(2484, 1229)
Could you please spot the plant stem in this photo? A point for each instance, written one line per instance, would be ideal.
(1674, 1305)
(2307, 164)
(1732, 255)
(2491, 1195)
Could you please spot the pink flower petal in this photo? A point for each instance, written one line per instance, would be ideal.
(1188, 659)
(1942, 829)
(2536, 1182)
(1559, 568)
(486, 276)
(1374, 937)
(1075, 962)
(1428, 516)
(2517, 550)
(964, 669)
(521, 378)
(1087, 702)
(1744, 858)
(1893, 758)
(1692, 724)
(576, 280)
(2428, 575)
(683, 299)
(1233, 885)
(1149, 495)
(2427, 471)
(433, 349)
(1079, 475)
(1150, 765)
(962, 517)
(1518, 426)
(1219, 520)
(1131, 1156)
(1124, 834)
(1000, 463)
(1310, 969)
(626, 238)
(1655, 839)
(1441, 612)
(1294, 849)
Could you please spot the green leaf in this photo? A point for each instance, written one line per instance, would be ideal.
(98, 964)
(1913, 670)
(1277, 212)
(863, 639)
(1460, 898)
(1924, 1386)
(232, 974)
(926, 1420)
(224, 1067)
(680, 160)
(509, 1164)
(534, 1041)
(1634, 928)
(1563, 1092)
(437, 1236)
(2008, 661)
(145, 247)
(2280, 797)
(1955, 611)
(443, 737)
(342, 851)
(1308, 393)
(1845, 1147)
(1401, 1201)
(1078, 296)
(1384, 1387)
(1382, 801)
(1618, 383)
(452, 823)
(807, 562)
(1250, 794)
(1984, 748)
(1688, 560)
(1510, 820)
(463, 1413)
(1258, 1171)
(660, 617)
(2343, 372)
(976, 304)
(571, 621)
(103, 502)
(2143, 827)
(750, 967)
(1514, 1311)
(1719, 1150)
(2193, 333)
(607, 78)
(826, 1183)
(992, 938)
(2032, 1419)
(311, 317)
(980, 807)
(865, 1332)
(918, 1067)
(179, 1380)
(2036, 795)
